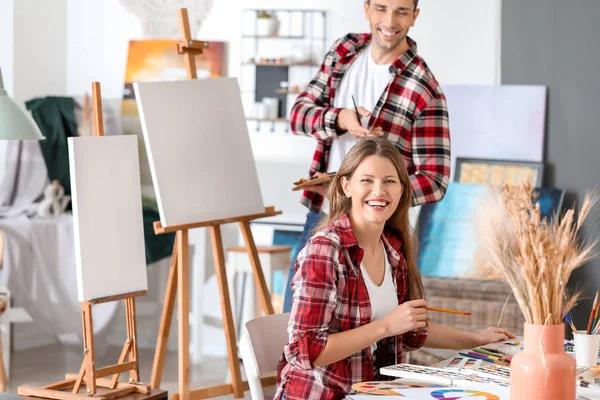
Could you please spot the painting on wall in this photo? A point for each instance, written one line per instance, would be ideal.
(497, 172)
(157, 60)
(280, 278)
(447, 240)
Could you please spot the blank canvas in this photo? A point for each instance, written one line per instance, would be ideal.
(199, 150)
(505, 122)
(107, 216)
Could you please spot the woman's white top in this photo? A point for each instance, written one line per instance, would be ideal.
(383, 298)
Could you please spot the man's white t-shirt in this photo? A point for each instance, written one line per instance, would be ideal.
(366, 81)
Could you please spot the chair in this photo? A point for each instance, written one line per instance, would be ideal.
(261, 347)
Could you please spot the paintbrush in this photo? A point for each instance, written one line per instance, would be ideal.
(448, 311)
(592, 314)
(356, 109)
(570, 322)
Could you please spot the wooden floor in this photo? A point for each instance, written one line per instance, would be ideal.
(48, 364)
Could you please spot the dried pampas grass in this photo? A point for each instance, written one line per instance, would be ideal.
(536, 257)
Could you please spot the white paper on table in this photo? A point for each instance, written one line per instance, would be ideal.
(487, 392)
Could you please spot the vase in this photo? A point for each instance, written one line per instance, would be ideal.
(267, 26)
(547, 376)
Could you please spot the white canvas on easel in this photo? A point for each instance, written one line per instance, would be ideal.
(199, 150)
(107, 216)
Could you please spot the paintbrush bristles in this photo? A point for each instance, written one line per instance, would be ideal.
(534, 255)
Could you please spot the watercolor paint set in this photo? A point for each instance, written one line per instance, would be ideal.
(440, 375)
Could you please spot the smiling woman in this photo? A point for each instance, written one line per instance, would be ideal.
(358, 297)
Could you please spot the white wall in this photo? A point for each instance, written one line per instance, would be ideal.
(6, 43)
(39, 49)
(460, 40)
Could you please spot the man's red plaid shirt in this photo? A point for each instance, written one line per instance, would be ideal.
(412, 113)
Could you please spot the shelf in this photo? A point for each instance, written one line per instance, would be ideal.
(273, 37)
(300, 64)
(268, 119)
(281, 37)
(285, 91)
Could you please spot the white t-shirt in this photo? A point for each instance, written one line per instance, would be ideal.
(383, 298)
(366, 81)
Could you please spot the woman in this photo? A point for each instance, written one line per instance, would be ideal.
(358, 296)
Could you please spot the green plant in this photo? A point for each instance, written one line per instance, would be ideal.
(264, 14)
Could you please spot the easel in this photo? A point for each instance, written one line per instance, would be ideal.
(89, 375)
(179, 276)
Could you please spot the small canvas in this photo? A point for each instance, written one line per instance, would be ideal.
(107, 214)
(199, 150)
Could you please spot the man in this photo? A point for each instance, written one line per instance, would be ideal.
(397, 94)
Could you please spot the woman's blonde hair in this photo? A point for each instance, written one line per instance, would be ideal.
(398, 223)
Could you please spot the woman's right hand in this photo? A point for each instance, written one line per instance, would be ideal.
(406, 317)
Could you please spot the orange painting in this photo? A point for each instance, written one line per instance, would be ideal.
(157, 60)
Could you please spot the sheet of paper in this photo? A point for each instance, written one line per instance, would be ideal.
(475, 392)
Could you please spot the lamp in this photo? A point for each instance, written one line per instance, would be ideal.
(15, 122)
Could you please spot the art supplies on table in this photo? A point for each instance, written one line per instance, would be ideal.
(472, 364)
(484, 357)
(302, 183)
(438, 375)
(456, 363)
(594, 383)
(499, 372)
(483, 392)
(386, 388)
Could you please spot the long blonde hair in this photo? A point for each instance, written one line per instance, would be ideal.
(398, 223)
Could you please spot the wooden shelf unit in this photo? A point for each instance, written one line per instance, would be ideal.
(301, 35)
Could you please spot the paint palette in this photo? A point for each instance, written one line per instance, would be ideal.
(385, 388)
(439, 375)
(490, 371)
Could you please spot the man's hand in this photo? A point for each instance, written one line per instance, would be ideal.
(347, 121)
(321, 189)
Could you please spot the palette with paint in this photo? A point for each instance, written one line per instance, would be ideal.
(385, 388)
(439, 375)
(490, 371)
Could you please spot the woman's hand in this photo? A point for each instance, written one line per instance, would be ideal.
(406, 317)
(493, 335)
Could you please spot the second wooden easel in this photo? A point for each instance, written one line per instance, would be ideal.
(89, 375)
(178, 281)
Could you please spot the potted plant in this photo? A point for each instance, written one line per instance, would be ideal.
(267, 24)
(536, 257)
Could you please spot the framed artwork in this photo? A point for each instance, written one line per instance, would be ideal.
(497, 172)
(448, 246)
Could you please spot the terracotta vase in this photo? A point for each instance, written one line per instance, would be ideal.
(530, 379)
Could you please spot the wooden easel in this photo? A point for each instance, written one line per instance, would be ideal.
(89, 375)
(178, 280)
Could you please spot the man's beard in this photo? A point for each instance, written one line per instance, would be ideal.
(384, 45)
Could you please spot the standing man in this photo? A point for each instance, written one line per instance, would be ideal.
(394, 88)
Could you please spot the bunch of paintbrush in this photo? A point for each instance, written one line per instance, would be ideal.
(592, 327)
